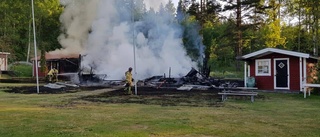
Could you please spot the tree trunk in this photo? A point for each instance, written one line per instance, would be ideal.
(238, 48)
(315, 26)
(299, 33)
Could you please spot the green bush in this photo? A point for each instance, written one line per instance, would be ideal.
(316, 91)
(226, 74)
(225, 69)
(22, 70)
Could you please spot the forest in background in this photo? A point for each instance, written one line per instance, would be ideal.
(228, 28)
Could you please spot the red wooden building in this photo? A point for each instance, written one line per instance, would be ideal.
(277, 69)
(4, 61)
(65, 63)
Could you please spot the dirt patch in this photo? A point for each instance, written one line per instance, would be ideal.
(146, 95)
(46, 90)
(163, 97)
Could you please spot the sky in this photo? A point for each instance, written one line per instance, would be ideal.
(155, 4)
(175, 2)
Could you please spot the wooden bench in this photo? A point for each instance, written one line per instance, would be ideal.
(247, 88)
(234, 89)
(237, 93)
(307, 85)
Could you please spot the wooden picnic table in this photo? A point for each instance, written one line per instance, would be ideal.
(224, 94)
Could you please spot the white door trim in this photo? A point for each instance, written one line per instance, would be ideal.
(274, 73)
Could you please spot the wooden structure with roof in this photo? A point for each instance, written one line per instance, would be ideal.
(65, 63)
(4, 61)
(278, 69)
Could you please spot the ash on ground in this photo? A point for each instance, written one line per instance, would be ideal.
(50, 89)
(191, 90)
(161, 96)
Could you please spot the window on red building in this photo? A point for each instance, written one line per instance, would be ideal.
(263, 67)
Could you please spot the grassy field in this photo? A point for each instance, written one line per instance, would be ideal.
(50, 115)
(4, 85)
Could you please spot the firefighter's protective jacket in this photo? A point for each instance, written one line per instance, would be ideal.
(53, 72)
(129, 78)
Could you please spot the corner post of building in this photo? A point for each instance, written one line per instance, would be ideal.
(245, 74)
(304, 77)
(6, 67)
(300, 74)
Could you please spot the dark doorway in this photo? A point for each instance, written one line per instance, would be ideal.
(281, 73)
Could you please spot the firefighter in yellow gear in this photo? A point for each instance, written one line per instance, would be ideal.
(53, 75)
(129, 83)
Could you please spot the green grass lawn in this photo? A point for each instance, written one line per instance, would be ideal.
(3, 85)
(50, 115)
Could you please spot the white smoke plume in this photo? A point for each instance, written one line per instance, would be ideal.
(77, 20)
(104, 31)
(154, 4)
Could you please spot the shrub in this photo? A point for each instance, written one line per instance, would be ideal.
(22, 70)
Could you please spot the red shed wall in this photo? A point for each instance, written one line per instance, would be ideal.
(294, 73)
(262, 82)
(267, 82)
(61, 65)
(40, 74)
(43, 74)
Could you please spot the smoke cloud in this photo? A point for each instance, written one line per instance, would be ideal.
(104, 31)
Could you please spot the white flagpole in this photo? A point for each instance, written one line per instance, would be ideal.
(35, 46)
(134, 53)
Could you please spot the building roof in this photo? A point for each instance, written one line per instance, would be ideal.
(50, 56)
(57, 56)
(5, 53)
(268, 51)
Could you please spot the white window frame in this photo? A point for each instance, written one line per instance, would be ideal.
(39, 64)
(269, 67)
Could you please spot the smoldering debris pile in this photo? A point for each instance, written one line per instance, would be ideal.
(192, 80)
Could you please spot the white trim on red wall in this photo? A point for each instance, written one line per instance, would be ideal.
(267, 51)
(260, 54)
(304, 73)
(245, 73)
(249, 74)
(269, 67)
(300, 74)
(274, 73)
(6, 64)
